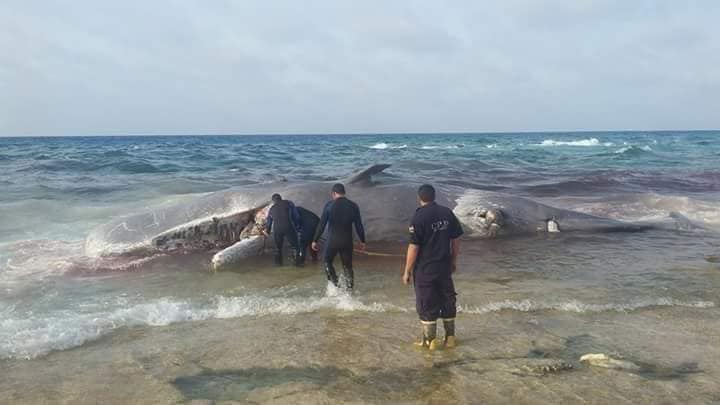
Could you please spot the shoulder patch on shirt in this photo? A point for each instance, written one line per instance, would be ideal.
(412, 229)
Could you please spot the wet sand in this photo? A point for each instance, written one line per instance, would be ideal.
(327, 357)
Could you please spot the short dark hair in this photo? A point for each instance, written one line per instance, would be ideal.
(276, 197)
(426, 193)
(338, 188)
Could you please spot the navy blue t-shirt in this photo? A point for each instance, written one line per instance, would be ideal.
(433, 227)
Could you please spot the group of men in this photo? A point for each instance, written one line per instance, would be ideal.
(430, 262)
(302, 228)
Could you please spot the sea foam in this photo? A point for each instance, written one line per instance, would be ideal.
(383, 145)
(581, 307)
(27, 337)
(582, 142)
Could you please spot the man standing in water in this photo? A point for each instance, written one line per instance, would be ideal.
(339, 216)
(283, 220)
(431, 261)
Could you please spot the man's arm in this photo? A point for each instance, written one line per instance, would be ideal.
(416, 237)
(454, 251)
(359, 226)
(410, 260)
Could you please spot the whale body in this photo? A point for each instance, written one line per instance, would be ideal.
(218, 221)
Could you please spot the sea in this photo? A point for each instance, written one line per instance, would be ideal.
(169, 329)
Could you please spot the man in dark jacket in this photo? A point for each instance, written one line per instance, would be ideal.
(431, 261)
(339, 216)
(283, 221)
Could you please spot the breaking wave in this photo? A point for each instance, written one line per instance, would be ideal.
(27, 337)
(627, 149)
(383, 145)
(582, 142)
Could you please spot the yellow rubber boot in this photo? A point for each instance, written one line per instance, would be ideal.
(450, 341)
(429, 332)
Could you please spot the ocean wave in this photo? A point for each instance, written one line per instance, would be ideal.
(23, 337)
(430, 147)
(30, 261)
(631, 148)
(383, 145)
(582, 142)
(581, 307)
(100, 164)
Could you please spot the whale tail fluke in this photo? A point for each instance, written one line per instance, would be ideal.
(364, 177)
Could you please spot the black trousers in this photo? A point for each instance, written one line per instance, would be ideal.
(434, 295)
(279, 236)
(346, 259)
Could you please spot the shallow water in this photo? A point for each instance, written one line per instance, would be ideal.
(261, 333)
(168, 329)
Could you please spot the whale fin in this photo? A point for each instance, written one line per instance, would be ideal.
(365, 176)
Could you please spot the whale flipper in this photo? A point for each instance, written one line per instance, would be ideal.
(364, 177)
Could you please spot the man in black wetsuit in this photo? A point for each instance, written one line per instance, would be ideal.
(339, 215)
(431, 260)
(283, 220)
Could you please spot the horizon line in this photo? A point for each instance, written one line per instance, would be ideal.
(588, 131)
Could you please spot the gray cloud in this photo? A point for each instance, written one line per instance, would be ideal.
(179, 67)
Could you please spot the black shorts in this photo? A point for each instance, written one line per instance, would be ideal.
(435, 295)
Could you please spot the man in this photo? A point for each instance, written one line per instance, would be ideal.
(339, 216)
(283, 220)
(431, 260)
(309, 222)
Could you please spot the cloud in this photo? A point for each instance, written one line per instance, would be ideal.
(179, 67)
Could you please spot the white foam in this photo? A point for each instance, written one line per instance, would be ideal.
(491, 146)
(655, 207)
(582, 142)
(624, 149)
(383, 145)
(581, 307)
(28, 337)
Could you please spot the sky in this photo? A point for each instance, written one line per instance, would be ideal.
(89, 67)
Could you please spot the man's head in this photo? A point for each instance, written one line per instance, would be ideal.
(426, 194)
(338, 190)
(276, 197)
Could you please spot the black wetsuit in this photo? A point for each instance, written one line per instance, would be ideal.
(339, 215)
(309, 222)
(432, 229)
(284, 221)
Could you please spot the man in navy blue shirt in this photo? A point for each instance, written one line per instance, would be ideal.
(431, 261)
(339, 216)
(283, 220)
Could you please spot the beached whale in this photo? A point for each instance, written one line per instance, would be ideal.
(231, 221)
